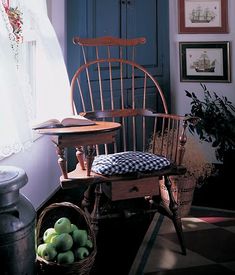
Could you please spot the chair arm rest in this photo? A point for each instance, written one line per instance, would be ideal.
(189, 119)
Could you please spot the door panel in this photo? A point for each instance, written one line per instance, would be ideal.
(142, 21)
(104, 18)
(126, 19)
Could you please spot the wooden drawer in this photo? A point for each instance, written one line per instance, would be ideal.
(137, 188)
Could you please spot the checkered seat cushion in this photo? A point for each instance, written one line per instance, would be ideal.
(128, 162)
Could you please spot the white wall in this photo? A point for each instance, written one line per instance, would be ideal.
(180, 103)
(56, 12)
(40, 164)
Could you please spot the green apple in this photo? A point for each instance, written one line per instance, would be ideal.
(48, 234)
(65, 257)
(48, 252)
(40, 248)
(53, 237)
(73, 227)
(62, 242)
(81, 253)
(62, 225)
(79, 237)
(89, 243)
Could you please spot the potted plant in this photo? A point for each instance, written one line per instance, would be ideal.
(217, 121)
(217, 127)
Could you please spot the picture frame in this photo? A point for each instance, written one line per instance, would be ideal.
(205, 61)
(203, 16)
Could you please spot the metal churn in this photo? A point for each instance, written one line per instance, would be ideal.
(17, 225)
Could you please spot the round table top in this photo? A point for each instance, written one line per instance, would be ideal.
(99, 126)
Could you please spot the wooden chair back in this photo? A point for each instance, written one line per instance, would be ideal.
(121, 90)
(107, 47)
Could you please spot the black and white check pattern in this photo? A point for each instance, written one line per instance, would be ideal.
(128, 162)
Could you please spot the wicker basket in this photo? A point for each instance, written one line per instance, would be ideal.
(183, 190)
(46, 219)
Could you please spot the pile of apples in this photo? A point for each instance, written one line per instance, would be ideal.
(64, 243)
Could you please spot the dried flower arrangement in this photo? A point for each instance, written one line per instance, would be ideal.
(15, 19)
(194, 158)
(183, 186)
(196, 163)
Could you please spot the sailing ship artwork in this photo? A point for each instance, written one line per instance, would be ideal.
(205, 61)
(204, 64)
(201, 15)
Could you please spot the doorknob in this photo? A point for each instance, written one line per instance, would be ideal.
(128, 2)
(123, 2)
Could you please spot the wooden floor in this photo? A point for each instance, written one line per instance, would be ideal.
(210, 241)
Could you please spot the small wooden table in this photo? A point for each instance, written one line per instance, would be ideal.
(102, 132)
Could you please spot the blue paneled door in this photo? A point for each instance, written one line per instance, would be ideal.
(126, 19)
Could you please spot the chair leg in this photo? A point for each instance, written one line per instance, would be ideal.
(95, 214)
(88, 197)
(175, 216)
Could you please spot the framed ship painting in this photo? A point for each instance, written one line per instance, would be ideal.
(203, 16)
(205, 61)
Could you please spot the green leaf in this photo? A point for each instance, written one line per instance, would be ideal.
(188, 94)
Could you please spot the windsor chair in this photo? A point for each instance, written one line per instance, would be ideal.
(151, 142)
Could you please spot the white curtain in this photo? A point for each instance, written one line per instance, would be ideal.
(18, 106)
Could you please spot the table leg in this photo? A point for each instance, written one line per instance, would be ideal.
(80, 157)
(90, 158)
(62, 161)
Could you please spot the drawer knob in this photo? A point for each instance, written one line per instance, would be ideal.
(134, 189)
